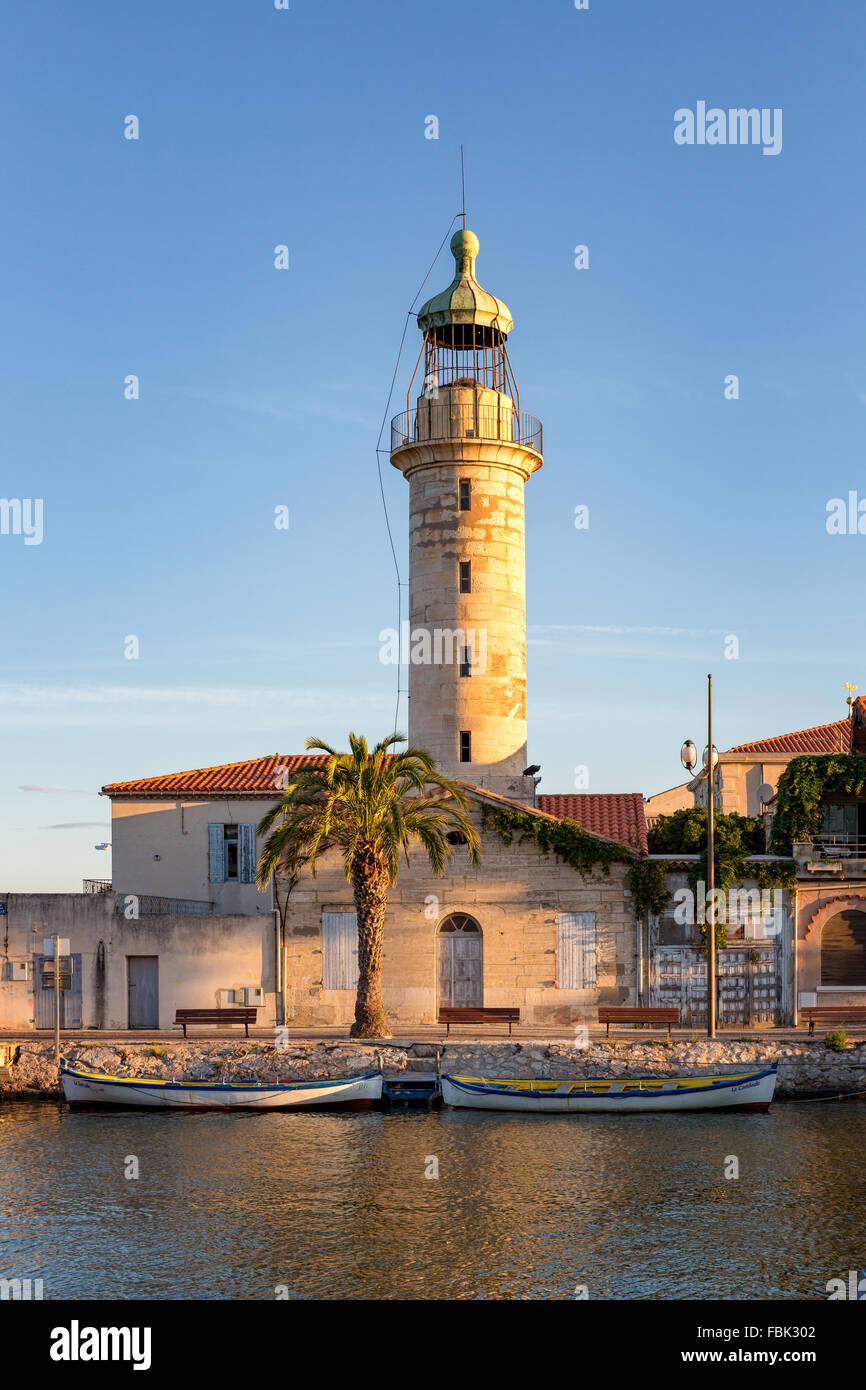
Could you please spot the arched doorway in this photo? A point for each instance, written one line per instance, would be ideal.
(461, 964)
(843, 950)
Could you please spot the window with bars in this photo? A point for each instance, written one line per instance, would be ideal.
(466, 576)
(466, 661)
(465, 495)
(465, 746)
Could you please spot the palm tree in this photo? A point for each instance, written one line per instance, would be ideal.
(370, 806)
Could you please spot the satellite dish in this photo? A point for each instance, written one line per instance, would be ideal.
(765, 793)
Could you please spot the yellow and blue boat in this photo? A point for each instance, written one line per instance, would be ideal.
(748, 1090)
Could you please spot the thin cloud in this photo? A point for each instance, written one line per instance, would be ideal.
(621, 631)
(261, 707)
(57, 791)
(78, 825)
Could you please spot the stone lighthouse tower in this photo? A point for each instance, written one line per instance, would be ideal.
(467, 451)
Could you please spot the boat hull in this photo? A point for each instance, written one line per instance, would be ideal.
(597, 1095)
(83, 1088)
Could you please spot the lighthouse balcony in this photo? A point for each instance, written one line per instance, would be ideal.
(436, 420)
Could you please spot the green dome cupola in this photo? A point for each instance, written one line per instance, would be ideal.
(483, 319)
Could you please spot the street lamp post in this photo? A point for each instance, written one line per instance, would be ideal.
(689, 758)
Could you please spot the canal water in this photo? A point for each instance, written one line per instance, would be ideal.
(339, 1206)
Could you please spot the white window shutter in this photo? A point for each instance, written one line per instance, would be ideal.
(339, 950)
(575, 950)
(216, 853)
(247, 852)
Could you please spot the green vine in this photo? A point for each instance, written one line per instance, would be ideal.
(721, 937)
(804, 786)
(647, 879)
(736, 839)
(684, 832)
(582, 851)
(568, 840)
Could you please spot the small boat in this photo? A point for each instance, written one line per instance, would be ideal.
(81, 1087)
(748, 1090)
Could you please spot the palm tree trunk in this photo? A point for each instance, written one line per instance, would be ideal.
(370, 883)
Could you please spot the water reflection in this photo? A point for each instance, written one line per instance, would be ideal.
(338, 1206)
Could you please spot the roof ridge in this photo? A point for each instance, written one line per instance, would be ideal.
(792, 733)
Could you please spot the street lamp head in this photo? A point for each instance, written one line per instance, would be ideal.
(689, 756)
(706, 756)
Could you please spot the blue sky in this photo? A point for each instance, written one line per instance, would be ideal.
(262, 387)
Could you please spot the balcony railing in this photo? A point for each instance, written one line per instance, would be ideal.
(150, 905)
(839, 846)
(444, 419)
(96, 885)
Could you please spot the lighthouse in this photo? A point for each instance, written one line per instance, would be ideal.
(467, 450)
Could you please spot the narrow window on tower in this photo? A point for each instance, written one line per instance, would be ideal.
(466, 661)
(466, 576)
(465, 746)
(465, 495)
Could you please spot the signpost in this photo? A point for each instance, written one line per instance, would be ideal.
(57, 975)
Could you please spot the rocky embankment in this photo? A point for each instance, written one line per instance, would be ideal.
(27, 1069)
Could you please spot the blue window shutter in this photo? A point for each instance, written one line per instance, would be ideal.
(247, 852)
(216, 854)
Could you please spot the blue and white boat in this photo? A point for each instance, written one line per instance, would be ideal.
(82, 1087)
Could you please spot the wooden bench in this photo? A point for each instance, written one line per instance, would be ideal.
(447, 1015)
(832, 1013)
(609, 1016)
(240, 1014)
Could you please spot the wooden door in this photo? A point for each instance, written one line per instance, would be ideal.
(461, 963)
(143, 991)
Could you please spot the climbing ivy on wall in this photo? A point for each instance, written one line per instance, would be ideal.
(805, 784)
(647, 879)
(735, 838)
(684, 832)
(583, 851)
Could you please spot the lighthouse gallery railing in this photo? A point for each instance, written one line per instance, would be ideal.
(439, 419)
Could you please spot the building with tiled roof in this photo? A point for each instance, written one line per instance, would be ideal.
(824, 738)
(253, 777)
(747, 768)
(188, 842)
(617, 816)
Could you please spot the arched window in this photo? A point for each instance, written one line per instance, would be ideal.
(843, 949)
(460, 921)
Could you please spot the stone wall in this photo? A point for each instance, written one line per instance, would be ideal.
(805, 1068)
(514, 896)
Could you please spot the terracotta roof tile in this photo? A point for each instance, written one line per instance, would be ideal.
(256, 777)
(824, 738)
(616, 815)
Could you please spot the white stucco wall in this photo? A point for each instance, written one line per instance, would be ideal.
(201, 958)
(177, 832)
